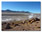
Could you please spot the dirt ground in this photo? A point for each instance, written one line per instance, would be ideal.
(27, 25)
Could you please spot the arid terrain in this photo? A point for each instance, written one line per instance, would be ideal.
(21, 21)
(33, 24)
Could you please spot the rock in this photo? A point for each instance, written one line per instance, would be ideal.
(8, 26)
(38, 27)
(12, 23)
(17, 25)
(3, 23)
(37, 19)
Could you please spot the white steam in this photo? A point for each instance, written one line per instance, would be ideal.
(30, 16)
(18, 19)
(7, 19)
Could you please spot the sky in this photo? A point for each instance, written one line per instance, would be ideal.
(33, 7)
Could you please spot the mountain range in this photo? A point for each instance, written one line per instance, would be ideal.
(15, 11)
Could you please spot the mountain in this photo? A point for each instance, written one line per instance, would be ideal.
(15, 11)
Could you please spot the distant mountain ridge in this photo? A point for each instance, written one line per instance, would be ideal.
(15, 11)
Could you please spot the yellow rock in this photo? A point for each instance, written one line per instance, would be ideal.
(31, 21)
(28, 22)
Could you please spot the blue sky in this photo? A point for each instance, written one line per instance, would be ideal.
(33, 7)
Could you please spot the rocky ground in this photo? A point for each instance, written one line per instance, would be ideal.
(27, 25)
